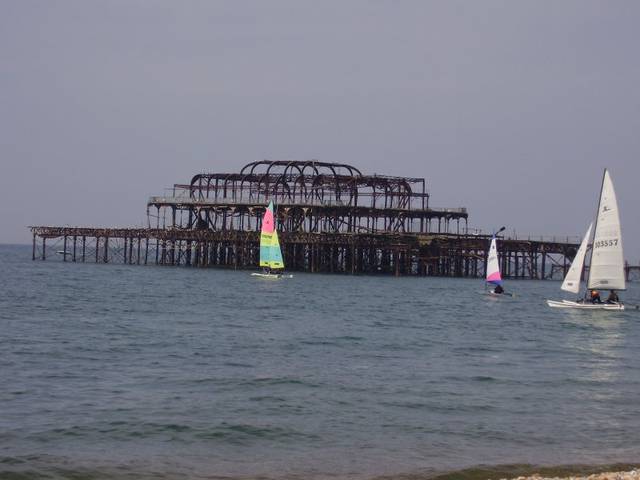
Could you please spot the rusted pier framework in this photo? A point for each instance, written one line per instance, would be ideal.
(311, 197)
(396, 254)
(331, 218)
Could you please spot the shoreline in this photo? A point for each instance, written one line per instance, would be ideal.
(27, 469)
(609, 471)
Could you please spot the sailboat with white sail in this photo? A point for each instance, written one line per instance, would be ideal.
(606, 270)
(493, 276)
(270, 253)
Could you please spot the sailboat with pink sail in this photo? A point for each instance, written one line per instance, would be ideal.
(493, 276)
(270, 253)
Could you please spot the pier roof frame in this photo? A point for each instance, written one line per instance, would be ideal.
(274, 175)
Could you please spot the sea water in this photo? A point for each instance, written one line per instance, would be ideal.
(116, 371)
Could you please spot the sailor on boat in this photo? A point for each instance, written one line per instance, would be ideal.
(269, 271)
(595, 296)
(498, 289)
(613, 297)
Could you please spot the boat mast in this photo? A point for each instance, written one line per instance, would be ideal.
(595, 228)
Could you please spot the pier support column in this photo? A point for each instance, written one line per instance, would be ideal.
(486, 259)
(163, 255)
(626, 271)
(196, 254)
(106, 250)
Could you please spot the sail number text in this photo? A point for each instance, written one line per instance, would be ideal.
(606, 243)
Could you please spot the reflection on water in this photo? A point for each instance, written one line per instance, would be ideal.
(597, 336)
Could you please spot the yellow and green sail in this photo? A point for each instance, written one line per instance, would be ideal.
(270, 254)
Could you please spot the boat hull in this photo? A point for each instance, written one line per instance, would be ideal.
(585, 306)
(491, 293)
(273, 276)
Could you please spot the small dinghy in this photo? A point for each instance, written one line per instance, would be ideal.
(493, 276)
(270, 253)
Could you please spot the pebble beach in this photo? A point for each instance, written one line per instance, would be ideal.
(630, 475)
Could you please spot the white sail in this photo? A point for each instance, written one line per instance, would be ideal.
(572, 280)
(607, 260)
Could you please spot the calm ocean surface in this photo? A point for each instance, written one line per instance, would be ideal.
(112, 371)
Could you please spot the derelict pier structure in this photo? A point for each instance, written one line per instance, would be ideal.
(330, 217)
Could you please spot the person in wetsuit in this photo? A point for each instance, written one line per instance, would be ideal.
(613, 297)
(595, 297)
(498, 289)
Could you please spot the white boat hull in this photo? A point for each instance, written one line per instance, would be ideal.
(585, 305)
(274, 276)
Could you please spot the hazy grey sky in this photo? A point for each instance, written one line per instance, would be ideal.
(509, 108)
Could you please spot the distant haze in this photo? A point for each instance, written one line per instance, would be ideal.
(511, 109)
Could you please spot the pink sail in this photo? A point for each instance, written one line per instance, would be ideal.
(267, 221)
(494, 278)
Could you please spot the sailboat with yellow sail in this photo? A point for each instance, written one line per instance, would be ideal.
(271, 259)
